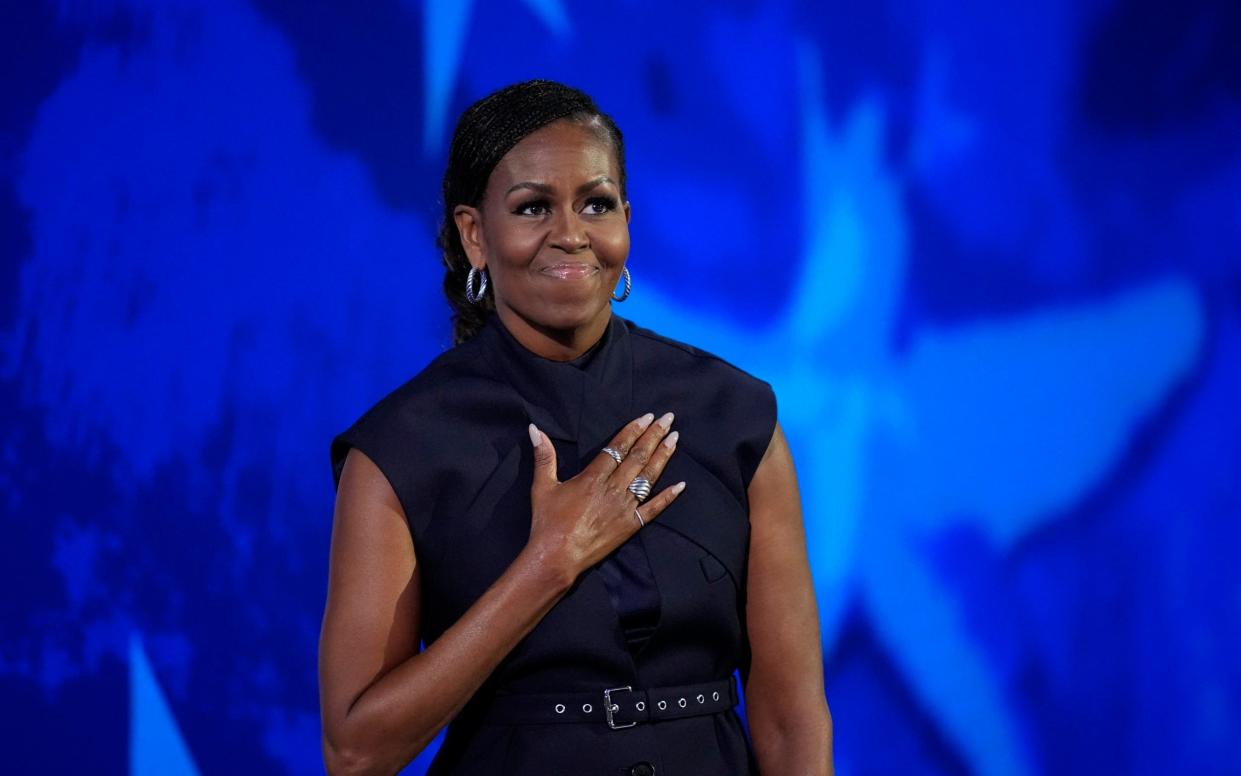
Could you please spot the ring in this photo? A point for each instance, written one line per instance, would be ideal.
(637, 514)
(640, 487)
(615, 455)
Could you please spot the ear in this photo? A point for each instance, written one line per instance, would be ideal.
(470, 228)
(627, 211)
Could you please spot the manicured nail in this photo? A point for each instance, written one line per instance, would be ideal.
(536, 438)
(670, 441)
(680, 486)
(645, 420)
(666, 420)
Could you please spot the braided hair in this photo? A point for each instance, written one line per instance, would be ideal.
(486, 131)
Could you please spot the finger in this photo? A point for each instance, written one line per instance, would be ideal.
(544, 459)
(659, 458)
(641, 451)
(655, 505)
(603, 464)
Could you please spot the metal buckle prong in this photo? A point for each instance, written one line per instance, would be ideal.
(610, 708)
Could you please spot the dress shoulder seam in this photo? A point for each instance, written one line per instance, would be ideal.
(691, 350)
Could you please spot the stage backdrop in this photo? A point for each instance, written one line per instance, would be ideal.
(989, 255)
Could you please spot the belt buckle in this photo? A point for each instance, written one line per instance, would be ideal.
(610, 708)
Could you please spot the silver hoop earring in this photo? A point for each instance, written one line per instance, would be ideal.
(628, 286)
(469, 285)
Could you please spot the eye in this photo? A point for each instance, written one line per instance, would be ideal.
(535, 207)
(600, 205)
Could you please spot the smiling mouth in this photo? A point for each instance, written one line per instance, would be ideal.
(570, 271)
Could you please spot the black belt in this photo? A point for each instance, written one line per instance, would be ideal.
(618, 707)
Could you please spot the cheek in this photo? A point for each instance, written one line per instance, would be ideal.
(613, 244)
(513, 246)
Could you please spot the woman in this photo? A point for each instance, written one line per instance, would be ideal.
(585, 578)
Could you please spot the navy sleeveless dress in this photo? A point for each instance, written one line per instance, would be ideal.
(666, 609)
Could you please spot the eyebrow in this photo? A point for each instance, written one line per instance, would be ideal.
(543, 188)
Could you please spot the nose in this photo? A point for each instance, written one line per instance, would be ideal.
(569, 232)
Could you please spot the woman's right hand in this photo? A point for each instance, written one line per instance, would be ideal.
(578, 522)
(382, 699)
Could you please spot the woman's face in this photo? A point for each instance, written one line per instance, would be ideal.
(552, 230)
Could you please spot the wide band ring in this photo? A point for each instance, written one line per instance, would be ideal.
(615, 455)
(640, 487)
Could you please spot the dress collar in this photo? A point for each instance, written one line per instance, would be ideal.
(586, 400)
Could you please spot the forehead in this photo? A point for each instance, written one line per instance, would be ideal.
(561, 151)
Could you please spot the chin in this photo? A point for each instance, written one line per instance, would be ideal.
(567, 315)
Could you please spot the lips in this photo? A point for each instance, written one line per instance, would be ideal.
(574, 270)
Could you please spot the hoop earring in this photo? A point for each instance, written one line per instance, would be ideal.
(469, 285)
(628, 286)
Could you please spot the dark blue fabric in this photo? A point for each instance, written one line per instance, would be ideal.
(667, 608)
(627, 572)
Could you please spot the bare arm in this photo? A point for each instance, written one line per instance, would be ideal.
(381, 700)
(789, 720)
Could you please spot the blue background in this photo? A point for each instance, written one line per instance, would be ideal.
(988, 254)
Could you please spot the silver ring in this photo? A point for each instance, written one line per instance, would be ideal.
(637, 514)
(640, 487)
(615, 455)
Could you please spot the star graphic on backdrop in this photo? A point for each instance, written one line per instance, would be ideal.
(999, 425)
(973, 425)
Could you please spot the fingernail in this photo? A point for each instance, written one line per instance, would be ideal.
(680, 486)
(535, 437)
(670, 441)
(645, 420)
(666, 420)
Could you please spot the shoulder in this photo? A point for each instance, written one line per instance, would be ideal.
(406, 414)
(653, 349)
(714, 399)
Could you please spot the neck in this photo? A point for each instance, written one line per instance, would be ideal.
(552, 343)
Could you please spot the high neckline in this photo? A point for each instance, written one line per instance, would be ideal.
(494, 320)
(582, 404)
(583, 361)
(555, 392)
